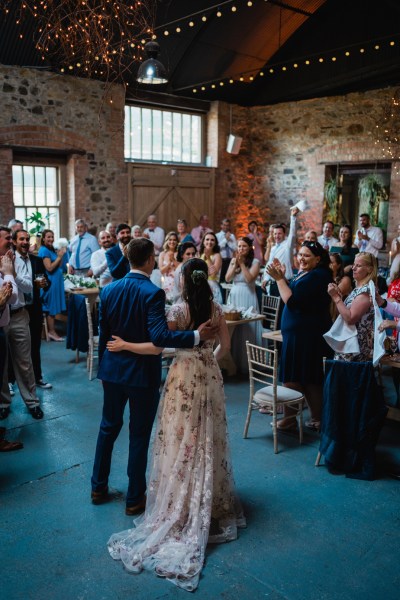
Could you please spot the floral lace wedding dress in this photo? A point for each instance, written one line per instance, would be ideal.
(191, 484)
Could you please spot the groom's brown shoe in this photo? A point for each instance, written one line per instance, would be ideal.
(100, 497)
(136, 508)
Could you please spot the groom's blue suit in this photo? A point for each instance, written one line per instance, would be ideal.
(132, 308)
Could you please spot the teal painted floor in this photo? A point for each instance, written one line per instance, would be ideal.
(310, 535)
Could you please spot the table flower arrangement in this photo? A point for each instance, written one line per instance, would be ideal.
(76, 281)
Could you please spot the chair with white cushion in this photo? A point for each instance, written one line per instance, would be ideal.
(263, 370)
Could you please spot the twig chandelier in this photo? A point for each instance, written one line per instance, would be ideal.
(96, 38)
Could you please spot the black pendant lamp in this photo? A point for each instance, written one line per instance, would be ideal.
(152, 71)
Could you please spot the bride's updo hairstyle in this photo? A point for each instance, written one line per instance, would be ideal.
(196, 291)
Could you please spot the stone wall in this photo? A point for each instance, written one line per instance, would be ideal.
(77, 119)
(282, 158)
(284, 152)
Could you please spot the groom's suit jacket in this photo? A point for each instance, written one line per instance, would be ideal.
(133, 308)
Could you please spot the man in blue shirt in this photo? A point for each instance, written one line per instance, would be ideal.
(81, 249)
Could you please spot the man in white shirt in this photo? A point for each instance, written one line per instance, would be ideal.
(98, 260)
(368, 238)
(81, 248)
(282, 251)
(154, 233)
(199, 232)
(327, 239)
(19, 341)
(227, 245)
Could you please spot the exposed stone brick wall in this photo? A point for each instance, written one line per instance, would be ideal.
(50, 113)
(284, 152)
(282, 158)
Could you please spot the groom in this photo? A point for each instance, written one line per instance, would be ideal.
(133, 308)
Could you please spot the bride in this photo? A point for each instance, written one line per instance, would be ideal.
(191, 494)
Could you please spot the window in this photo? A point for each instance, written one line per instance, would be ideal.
(36, 189)
(162, 135)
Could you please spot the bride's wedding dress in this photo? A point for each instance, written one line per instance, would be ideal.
(191, 484)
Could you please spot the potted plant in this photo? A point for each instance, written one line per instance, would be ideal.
(39, 223)
(371, 191)
(331, 198)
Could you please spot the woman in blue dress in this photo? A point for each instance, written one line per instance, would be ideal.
(54, 297)
(305, 318)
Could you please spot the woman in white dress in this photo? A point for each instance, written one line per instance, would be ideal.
(191, 495)
(210, 253)
(243, 272)
(167, 264)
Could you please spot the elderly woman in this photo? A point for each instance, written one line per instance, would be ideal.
(357, 309)
(183, 234)
(306, 317)
(136, 231)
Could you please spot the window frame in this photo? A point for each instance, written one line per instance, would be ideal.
(169, 157)
(59, 163)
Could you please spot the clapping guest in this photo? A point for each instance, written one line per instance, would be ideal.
(243, 272)
(54, 297)
(395, 245)
(199, 232)
(210, 253)
(345, 246)
(357, 309)
(342, 280)
(183, 235)
(327, 238)
(186, 251)
(311, 236)
(167, 264)
(34, 305)
(136, 231)
(81, 248)
(282, 250)
(112, 230)
(8, 294)
(154, 233)
(116, 259)
(306, 317)
(227, 244)
(98, 260)
(258, 239)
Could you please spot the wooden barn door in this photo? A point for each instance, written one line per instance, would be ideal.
(171, 193)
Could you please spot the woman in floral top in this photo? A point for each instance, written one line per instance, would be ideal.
(357, 309)
(191, 493)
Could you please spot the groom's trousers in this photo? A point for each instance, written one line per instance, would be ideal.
(143, 404)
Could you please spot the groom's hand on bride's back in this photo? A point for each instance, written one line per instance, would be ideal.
(207, 331)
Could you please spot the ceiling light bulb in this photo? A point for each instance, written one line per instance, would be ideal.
(219, 14)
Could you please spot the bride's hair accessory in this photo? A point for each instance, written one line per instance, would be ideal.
(197, 276)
